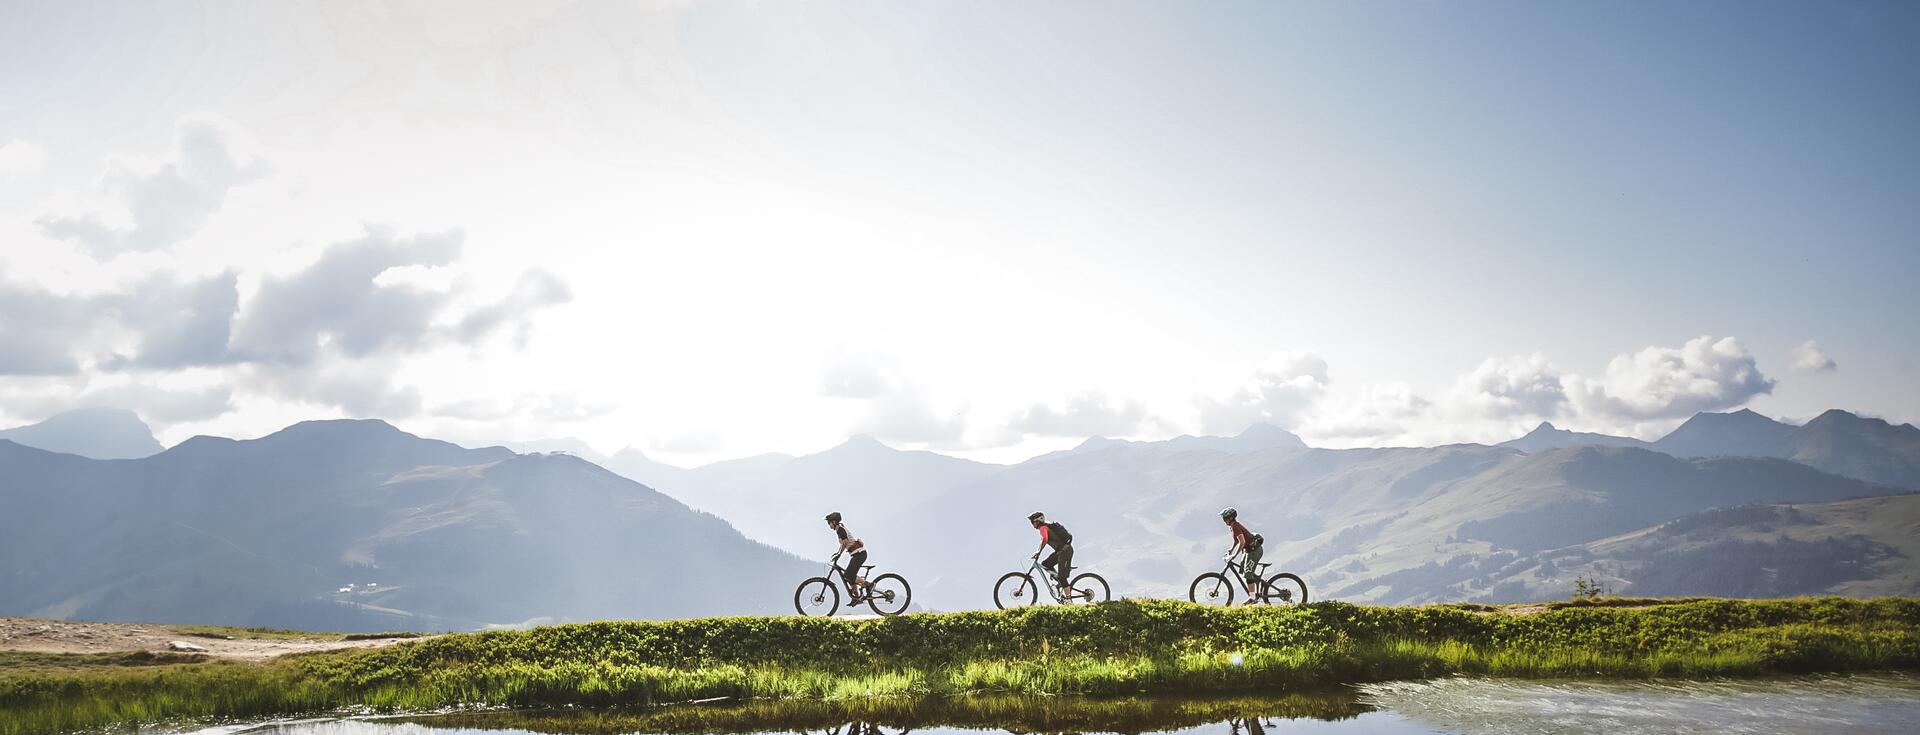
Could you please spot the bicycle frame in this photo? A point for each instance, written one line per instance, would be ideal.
(838, 575)
(1041, 573)
(1236, 570)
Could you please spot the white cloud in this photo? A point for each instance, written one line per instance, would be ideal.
(1521, 386)
(21, 160)
(156, 206)
(1659, 383)
(1808, 358)
(362, 388)
(1281, 392)
(1090, 413)
(893, 409)
(1368, 415)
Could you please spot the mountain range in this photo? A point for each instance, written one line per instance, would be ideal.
(1837, 441)
(272, 531)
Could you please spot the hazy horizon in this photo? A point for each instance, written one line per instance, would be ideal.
(713, 230)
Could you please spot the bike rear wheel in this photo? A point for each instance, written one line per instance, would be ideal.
(1014, 590)
(1212, 588)
(817, 596)
(889, 594)
(1286, 588)
(1091, 588)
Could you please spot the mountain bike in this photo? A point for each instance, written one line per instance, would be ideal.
(1018, 588)
(887, 594)
(1216, 588)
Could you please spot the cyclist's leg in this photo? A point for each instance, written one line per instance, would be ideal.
(1051, 562)
(853, 570)
(1252, 573)
(1066, 565)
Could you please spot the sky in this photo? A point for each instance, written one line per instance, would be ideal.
(991, 229)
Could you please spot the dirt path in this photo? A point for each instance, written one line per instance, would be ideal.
(60, 636)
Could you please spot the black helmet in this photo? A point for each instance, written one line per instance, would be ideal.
(1036, 516)
(833, 517)
(1229, 513)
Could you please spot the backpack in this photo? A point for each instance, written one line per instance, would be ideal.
(1055, 530)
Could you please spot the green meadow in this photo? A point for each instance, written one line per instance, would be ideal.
(1116, 649)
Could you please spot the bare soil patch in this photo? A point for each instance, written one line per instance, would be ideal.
(33, 635)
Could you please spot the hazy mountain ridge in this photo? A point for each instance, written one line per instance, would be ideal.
(1836, 441)
(1864, 547)
(262, 532)
(1366, 525)
(779, 499)
(96, 433)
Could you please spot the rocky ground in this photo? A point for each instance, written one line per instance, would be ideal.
(59, 636)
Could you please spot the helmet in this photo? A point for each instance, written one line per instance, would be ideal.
(1229, 513)
(833, 517)
(1036, 516)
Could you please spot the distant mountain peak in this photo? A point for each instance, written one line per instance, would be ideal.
(1547, 436)
(339, 427)
(862, 443)
(97, 433)
(1263, 435)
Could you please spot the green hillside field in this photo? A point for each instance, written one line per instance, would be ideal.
(1118, 648)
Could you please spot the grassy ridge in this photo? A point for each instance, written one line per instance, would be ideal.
(1115, 648)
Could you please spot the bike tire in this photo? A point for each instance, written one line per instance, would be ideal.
(1094, 585)
(1212, 588)
(881, 587)
(1022, 591)
(816, 596)
(1285, 588)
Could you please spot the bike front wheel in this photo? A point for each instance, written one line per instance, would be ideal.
(1015, 589)
(1212, 588)
(889, 594)
(1286, 588)
(1090, 587)
(817, 596)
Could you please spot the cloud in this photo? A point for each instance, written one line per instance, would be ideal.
(156, 208)
(1808, 358)
(1370, 414)
(40, 331)
(896, 410)
(337, 305)
(180, 324)
(21, 160)
(860, 376)
(1658, 383)
(909, 417)
(360, 388)
(536, 289)
(1085, 414)
(163, 405)
(1521, 386)
(1279, 393)
(155, 403)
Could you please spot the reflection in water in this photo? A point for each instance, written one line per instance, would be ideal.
(890, 715)
(1851, 704)
(1880, 704)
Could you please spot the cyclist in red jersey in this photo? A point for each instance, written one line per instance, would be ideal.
(1060, 562)
(1248, 541)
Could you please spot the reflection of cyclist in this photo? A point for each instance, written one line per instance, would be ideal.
(849, 543)
(1248, 541)
(1060, 562)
